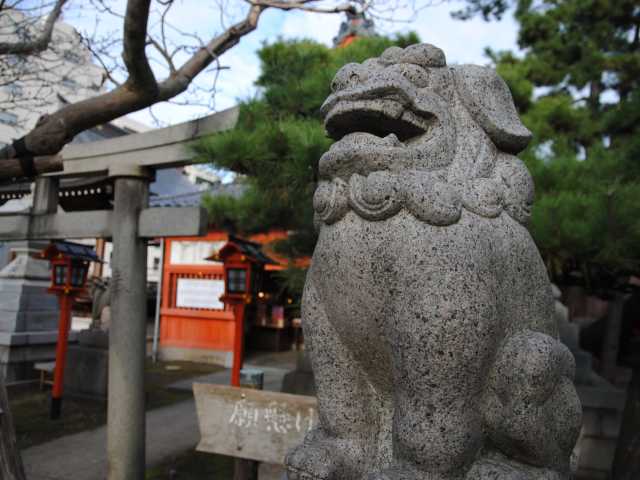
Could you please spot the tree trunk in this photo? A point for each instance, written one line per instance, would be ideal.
(10, 461)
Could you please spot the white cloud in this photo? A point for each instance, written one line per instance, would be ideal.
(462, 41)
(318, 27)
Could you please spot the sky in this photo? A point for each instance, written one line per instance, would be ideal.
(462, 42)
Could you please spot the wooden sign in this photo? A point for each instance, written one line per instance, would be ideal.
(252, 424)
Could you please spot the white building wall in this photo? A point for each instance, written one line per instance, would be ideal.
(154, 267)
(33, 85)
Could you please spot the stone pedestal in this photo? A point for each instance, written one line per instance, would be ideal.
(300, 381)
(602, 405)
(602, 412)
(87, 370)
(28, 314)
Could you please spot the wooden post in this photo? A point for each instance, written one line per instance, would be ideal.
(127, 334)
(10, 461)
(100, 248)
(248, 469)
(64, 325)
(611, 344)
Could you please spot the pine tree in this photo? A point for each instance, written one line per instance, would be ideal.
(577, 88)
(280, 137)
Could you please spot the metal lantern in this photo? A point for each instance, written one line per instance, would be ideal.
(242, 261)
(69, 267)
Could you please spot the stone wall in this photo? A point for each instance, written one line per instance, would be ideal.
(602, 411)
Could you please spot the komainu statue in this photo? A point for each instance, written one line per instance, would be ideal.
(427, 310)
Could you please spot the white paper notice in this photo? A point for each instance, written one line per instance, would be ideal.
(194, 293)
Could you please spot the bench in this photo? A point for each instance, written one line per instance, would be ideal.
(46, 372)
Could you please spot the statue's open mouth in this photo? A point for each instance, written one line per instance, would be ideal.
(379, 115)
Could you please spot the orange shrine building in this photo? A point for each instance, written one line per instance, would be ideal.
(195, 325)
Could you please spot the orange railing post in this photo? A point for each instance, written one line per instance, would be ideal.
(238, 344)
(61, 354)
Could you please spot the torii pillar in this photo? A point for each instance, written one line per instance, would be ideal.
(126, 419)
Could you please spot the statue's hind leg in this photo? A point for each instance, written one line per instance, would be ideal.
(350, 411)
(531, 411)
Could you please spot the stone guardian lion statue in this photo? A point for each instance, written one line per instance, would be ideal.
(427, 310)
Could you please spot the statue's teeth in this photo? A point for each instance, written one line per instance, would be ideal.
(393, 139)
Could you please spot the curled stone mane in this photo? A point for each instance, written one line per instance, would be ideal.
(417, 135)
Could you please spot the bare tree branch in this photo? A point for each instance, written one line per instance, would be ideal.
(139, 88)
(134, 54)
(303, 5)
(39, 44)
(179, 81)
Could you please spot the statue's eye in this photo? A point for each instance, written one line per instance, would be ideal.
(348, 76)
(415, 74)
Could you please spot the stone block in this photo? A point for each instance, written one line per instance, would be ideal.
(87, 372)
(93, 338)
(611, 424)
(36, 320)
(597, 454)
(584, 367)
(589, 474)
(16, 362)
(28, 313)
(604, 397)
(591, 422)
(300, 381)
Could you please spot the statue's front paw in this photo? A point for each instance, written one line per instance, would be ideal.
(407, 472)
(310, 462)
(324, 458)
(503, 469)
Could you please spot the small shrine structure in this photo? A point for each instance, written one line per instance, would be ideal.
(195, 324)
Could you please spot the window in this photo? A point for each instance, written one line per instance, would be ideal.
(8, 118)
(77, 275)
(236, 280)
(60, 276)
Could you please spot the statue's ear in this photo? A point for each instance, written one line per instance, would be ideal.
(489, 101)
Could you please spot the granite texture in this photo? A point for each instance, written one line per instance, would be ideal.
(427, 311)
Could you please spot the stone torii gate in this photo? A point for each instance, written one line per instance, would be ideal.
(130, 161)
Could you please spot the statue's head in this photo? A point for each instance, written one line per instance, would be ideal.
(417, 133)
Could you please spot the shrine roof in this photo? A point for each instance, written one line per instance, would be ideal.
(251, 249)
(72, 249)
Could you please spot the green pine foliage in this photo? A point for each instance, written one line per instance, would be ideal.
(280, 137)
(577, 89)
